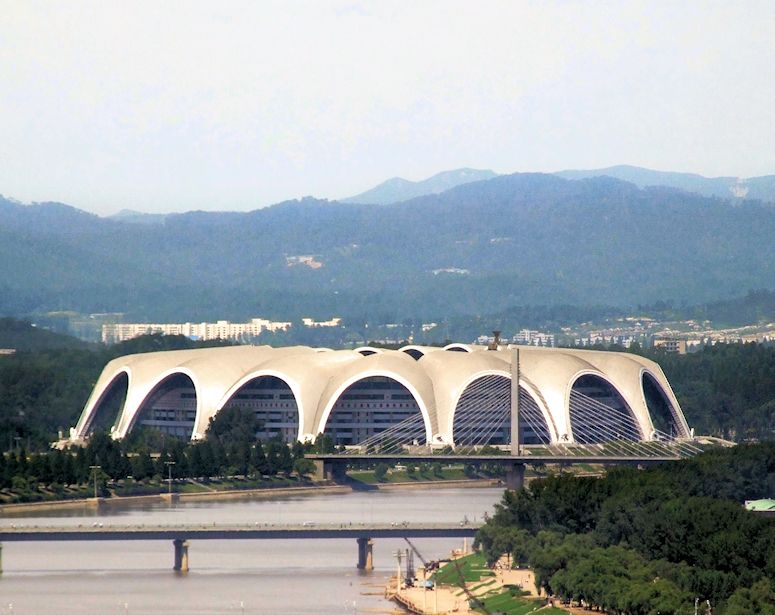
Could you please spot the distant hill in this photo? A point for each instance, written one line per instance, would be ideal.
(398, 189)
(760, 188)
(138, 217)
(478, 248)
(21, 336)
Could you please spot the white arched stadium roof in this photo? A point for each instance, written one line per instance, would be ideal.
(317, 380)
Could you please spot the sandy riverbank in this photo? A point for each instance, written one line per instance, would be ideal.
(451, 599)
(232, 494)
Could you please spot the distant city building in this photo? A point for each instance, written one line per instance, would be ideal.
(222, 329)
(306, 260)
(671, 344)
(452, 270)
(595, 338)
(309, 322)
(526, 337)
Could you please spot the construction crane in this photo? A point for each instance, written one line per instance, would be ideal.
(461, 576)
(425, 564)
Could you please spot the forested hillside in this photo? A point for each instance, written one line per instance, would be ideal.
(478, 248)
(725, 390)
(641, 542)
(44, 390)
(20, 335)
(398, 189)
(760, 188)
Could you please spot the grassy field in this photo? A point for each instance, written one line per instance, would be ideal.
(148, 487)
(40, 493)
(477, 575)
(471, 567)
(401, 476)
(507, 604)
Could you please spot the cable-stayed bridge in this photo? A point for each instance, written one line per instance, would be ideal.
(500, 423)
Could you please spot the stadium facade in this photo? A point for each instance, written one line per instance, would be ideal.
(457, 393)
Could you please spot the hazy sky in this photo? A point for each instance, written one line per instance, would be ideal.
(171, 106)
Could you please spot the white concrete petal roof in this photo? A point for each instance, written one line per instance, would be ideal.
(451, 373)
(318, 377)
(392, 364)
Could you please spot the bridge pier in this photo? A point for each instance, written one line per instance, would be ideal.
(326, 469)
(181, 555)
(1, 558)
(515, 476)
(365, 554)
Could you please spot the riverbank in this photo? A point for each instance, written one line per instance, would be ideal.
(319, 575)
(237, 494)
(467, 586)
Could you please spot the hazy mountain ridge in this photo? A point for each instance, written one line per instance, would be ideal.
(761, 188)
(398, 189)
(521, 239)
(138, 217)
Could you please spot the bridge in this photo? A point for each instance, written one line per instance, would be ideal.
(333, 466)
(181, 534)
(492, 429)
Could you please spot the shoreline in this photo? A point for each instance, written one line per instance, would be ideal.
(238, 494)
(446, 599)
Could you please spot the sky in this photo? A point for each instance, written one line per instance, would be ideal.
(175, 106)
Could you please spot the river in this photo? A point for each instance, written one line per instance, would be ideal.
(315, 577)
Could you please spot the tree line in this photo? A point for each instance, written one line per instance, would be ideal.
(727, 390)
(649, 541)
(229, 449)
(44, 390)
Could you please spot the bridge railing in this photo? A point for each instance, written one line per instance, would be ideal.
(228, 527)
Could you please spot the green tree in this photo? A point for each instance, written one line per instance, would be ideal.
(380, 472)
(142, 466)
(303, 467)
(759, 599)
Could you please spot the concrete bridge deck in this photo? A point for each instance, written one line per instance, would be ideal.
(332, 466)
(218, 531)
(501, 459)
(181, 534)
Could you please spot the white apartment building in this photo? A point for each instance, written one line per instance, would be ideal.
(312, 323)
(526, 337)
(222, 329)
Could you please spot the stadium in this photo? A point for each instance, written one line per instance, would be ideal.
(446, 397)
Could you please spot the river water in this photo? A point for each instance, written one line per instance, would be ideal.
(315, 577)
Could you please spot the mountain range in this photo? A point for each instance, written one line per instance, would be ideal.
(398, 189)
(759, 188)
(477, 248)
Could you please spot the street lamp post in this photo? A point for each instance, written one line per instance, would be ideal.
(94, 470)
(169, 465)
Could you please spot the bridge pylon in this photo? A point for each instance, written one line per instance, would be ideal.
(330, 469)
(181, 555)
(516, 444)
(365, 554)
(515, 476)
